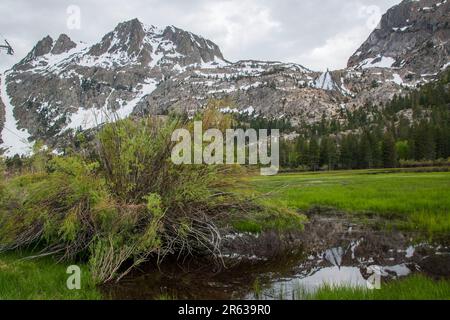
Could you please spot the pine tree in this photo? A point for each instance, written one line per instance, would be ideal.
(365, 152)
(402, 149)
(388, 151)
(347, 152)
(333, 156)
(301, 147)
(314, 154)
(324, 151)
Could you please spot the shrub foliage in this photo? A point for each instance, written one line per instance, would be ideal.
(124, 205)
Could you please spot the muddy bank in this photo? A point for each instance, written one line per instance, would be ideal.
(334, 248)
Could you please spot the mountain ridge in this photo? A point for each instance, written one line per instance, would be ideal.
(139, 69)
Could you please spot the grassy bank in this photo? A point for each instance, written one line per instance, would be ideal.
(414, 201)
(41, 279)
(412, 288)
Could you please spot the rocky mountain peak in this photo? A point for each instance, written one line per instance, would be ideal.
(63, 44)
(41, 48)
(412, 36)
(45, 52)
(190, 44)
(129, 29)
(129, 37)
(126, 37)
(133, 42)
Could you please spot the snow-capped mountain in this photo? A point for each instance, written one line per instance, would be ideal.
(131, 43)
(62, 86)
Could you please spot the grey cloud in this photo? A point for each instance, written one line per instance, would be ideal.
(317, 34)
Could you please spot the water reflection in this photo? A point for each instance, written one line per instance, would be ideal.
(287, 277)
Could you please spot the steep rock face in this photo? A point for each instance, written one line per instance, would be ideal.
(63, 44)
(195, 49)
(42, 48)
(412, 36)
(125, 43)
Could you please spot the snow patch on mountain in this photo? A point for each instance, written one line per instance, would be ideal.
(217, 63)
(325, 82)
(147, 88)
(85, 119)
(247, 111)
(385, 62)
(54, 63)
(397, 79)
(344, 89)
(15, 140)
(377, 62)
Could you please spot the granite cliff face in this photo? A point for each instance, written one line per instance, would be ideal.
(412, 36)
(62, 86)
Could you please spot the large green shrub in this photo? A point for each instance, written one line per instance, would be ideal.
(128, 203)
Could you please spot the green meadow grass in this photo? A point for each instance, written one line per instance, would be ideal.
(41, 279)
(413, 201)
(415, 287)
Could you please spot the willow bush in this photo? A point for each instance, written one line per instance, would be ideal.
(125, 205)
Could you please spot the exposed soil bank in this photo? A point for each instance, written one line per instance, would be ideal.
(333, 248)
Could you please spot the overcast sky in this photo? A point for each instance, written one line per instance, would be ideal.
(319, 34)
